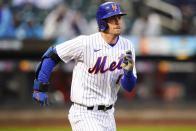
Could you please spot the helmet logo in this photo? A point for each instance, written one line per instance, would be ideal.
(114, 7)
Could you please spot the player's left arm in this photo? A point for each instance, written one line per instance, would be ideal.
(129, 79)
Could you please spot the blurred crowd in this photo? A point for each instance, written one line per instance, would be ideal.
(46, 19)
(65, 19)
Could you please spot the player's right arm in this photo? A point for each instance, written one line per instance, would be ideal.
(42, 73)
(69, 50)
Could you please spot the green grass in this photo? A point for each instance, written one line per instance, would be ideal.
(131, 128)
(157, 128)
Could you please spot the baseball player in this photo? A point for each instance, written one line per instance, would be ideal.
(104, 62)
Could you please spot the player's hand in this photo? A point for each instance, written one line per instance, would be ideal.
(41, 97)
(127, 62)
(40, 92)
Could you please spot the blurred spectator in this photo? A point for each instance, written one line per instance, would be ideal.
(6, 25)
(58, 23)
(187, 26)
(21, 2)
(148, 24)
(29, 28)
(42, 4)
(93, 28)
(64, 22)
(79, 24)
(46, 4)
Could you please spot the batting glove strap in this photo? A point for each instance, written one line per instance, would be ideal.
(128, 73)
(40, 86)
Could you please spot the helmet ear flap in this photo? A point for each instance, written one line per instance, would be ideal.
(102, 25)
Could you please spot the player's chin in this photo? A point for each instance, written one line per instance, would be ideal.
(117, 32)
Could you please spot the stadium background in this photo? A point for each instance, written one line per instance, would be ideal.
(163, 34)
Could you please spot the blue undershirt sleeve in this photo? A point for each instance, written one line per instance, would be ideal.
(128, 83)
(47, 66)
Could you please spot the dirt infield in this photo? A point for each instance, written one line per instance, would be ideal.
(119, 122)
(26, 118)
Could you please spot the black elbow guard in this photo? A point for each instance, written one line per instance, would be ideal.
(50, 53)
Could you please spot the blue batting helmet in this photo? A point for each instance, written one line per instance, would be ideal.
(107, 10)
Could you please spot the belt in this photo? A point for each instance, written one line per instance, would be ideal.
(100, 107)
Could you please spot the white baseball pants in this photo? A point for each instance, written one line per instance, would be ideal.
(82, 119)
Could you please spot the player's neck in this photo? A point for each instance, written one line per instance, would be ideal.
(109, 38)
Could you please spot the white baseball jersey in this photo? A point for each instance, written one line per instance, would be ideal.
(97, 72)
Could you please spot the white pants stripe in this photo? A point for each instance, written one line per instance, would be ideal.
(82, 119)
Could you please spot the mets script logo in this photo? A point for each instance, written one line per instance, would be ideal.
(100, 65)
(114, 7)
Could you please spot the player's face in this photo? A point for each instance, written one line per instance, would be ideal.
(114, 25)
